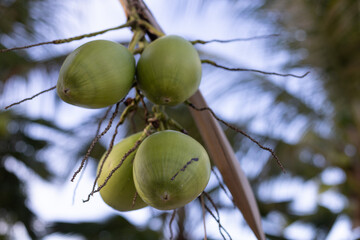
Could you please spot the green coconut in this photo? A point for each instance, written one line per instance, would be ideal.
(97, 74)
(169, 70)
(119, 191)
(170, 169)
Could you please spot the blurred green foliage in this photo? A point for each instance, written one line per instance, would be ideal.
(20, 149)
(323, 36)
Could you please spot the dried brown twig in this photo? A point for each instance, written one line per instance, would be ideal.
(85, 163)
(136, 145)
(222, 185)
(203, 214)
(217, 217)
(66, 40)
(96, 139)
(239, 131)
(134, 199)
(30, 98)
(233, 40)
(103, 119)
(207, 61)
(170, 223)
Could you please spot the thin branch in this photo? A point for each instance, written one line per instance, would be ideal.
(133, 149)
(234, 40)
(217, 213)
(217, 218)
(207, 61)
(150, 28)
(111, 145)
(146, 110)
(212, 203)
(96, 139)
(222, 186)
(77, 184)
(96, 134)
(239, 131)
(102, 120)
(203, 215)
(30, 98)
(170, 223)
(66, 40)
(134, 199)
(177, 125)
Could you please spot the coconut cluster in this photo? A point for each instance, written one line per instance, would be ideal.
(169, 169)
(100, 73)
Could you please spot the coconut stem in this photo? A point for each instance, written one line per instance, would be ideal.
(150, 28)
(176, 125)
(165, 121)
(138, 35)
(129, 108)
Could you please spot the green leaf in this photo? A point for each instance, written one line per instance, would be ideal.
(115, 227)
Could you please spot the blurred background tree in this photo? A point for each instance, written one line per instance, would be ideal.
(323, 36)
(311, 123)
